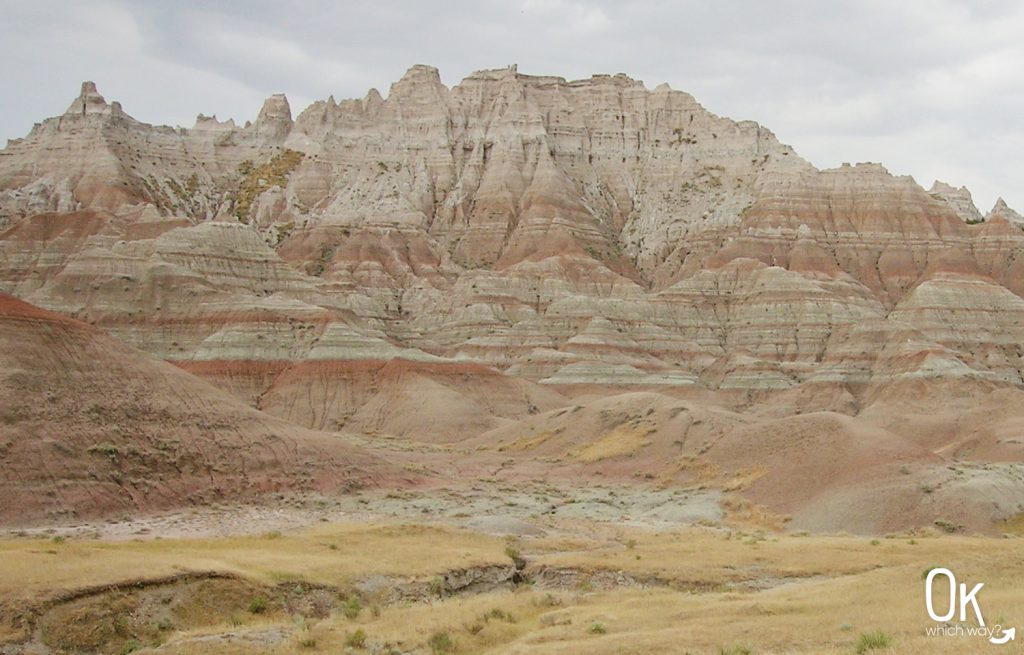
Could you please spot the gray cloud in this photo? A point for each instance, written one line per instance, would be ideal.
(932, 89)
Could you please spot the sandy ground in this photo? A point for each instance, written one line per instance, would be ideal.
(529, 509)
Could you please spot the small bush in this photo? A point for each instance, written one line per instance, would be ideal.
(437, 586)
(106, 448)
(352, 608)
(120, 625)
(739, 649)
(498, 613)
(598, 629)
(441, 643)
(307, 642)
(872, 641)
(130, 646)
(258, 605)
(517, 558)
(356, 639)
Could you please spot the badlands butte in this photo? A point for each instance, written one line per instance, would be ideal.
(517, 280)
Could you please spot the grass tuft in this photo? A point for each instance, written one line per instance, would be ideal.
(873, 640)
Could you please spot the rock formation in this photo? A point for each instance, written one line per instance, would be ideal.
(589, 230)
(494, 247)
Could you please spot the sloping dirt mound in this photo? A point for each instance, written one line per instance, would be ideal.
(425, 401)
(90, 426)
(896, 467)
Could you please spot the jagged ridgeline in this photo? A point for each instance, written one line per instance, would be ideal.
(459, 264)
(570, 232)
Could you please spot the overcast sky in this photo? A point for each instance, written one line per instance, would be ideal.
(931, 88)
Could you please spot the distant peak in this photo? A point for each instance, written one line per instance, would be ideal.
(275, 108)
(1004, 211)
(958, 199)
(860, 167)
(938, 186)
(422, 73)
(420, 82)
(89, 101)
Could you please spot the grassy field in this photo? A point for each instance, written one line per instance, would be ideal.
(596, 591)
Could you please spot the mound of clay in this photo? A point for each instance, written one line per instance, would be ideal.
(90, 426)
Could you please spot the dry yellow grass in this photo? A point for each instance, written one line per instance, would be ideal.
(623, 440)
(328, 554)
(527, 443)
(771, 593)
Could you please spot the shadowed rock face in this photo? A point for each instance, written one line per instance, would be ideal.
(553, 233)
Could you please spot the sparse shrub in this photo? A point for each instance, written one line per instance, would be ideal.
(258, 605)
(307, 642)
(872, 641)
(352, 608)
(631, 544)
(598, 629)
(106, 448)
(737, 649)
(356, 639)
(499, 614)
(517, 558)
(437, 586)
(875, 542)
(130, 646)
(120, 625)
(441, 643)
